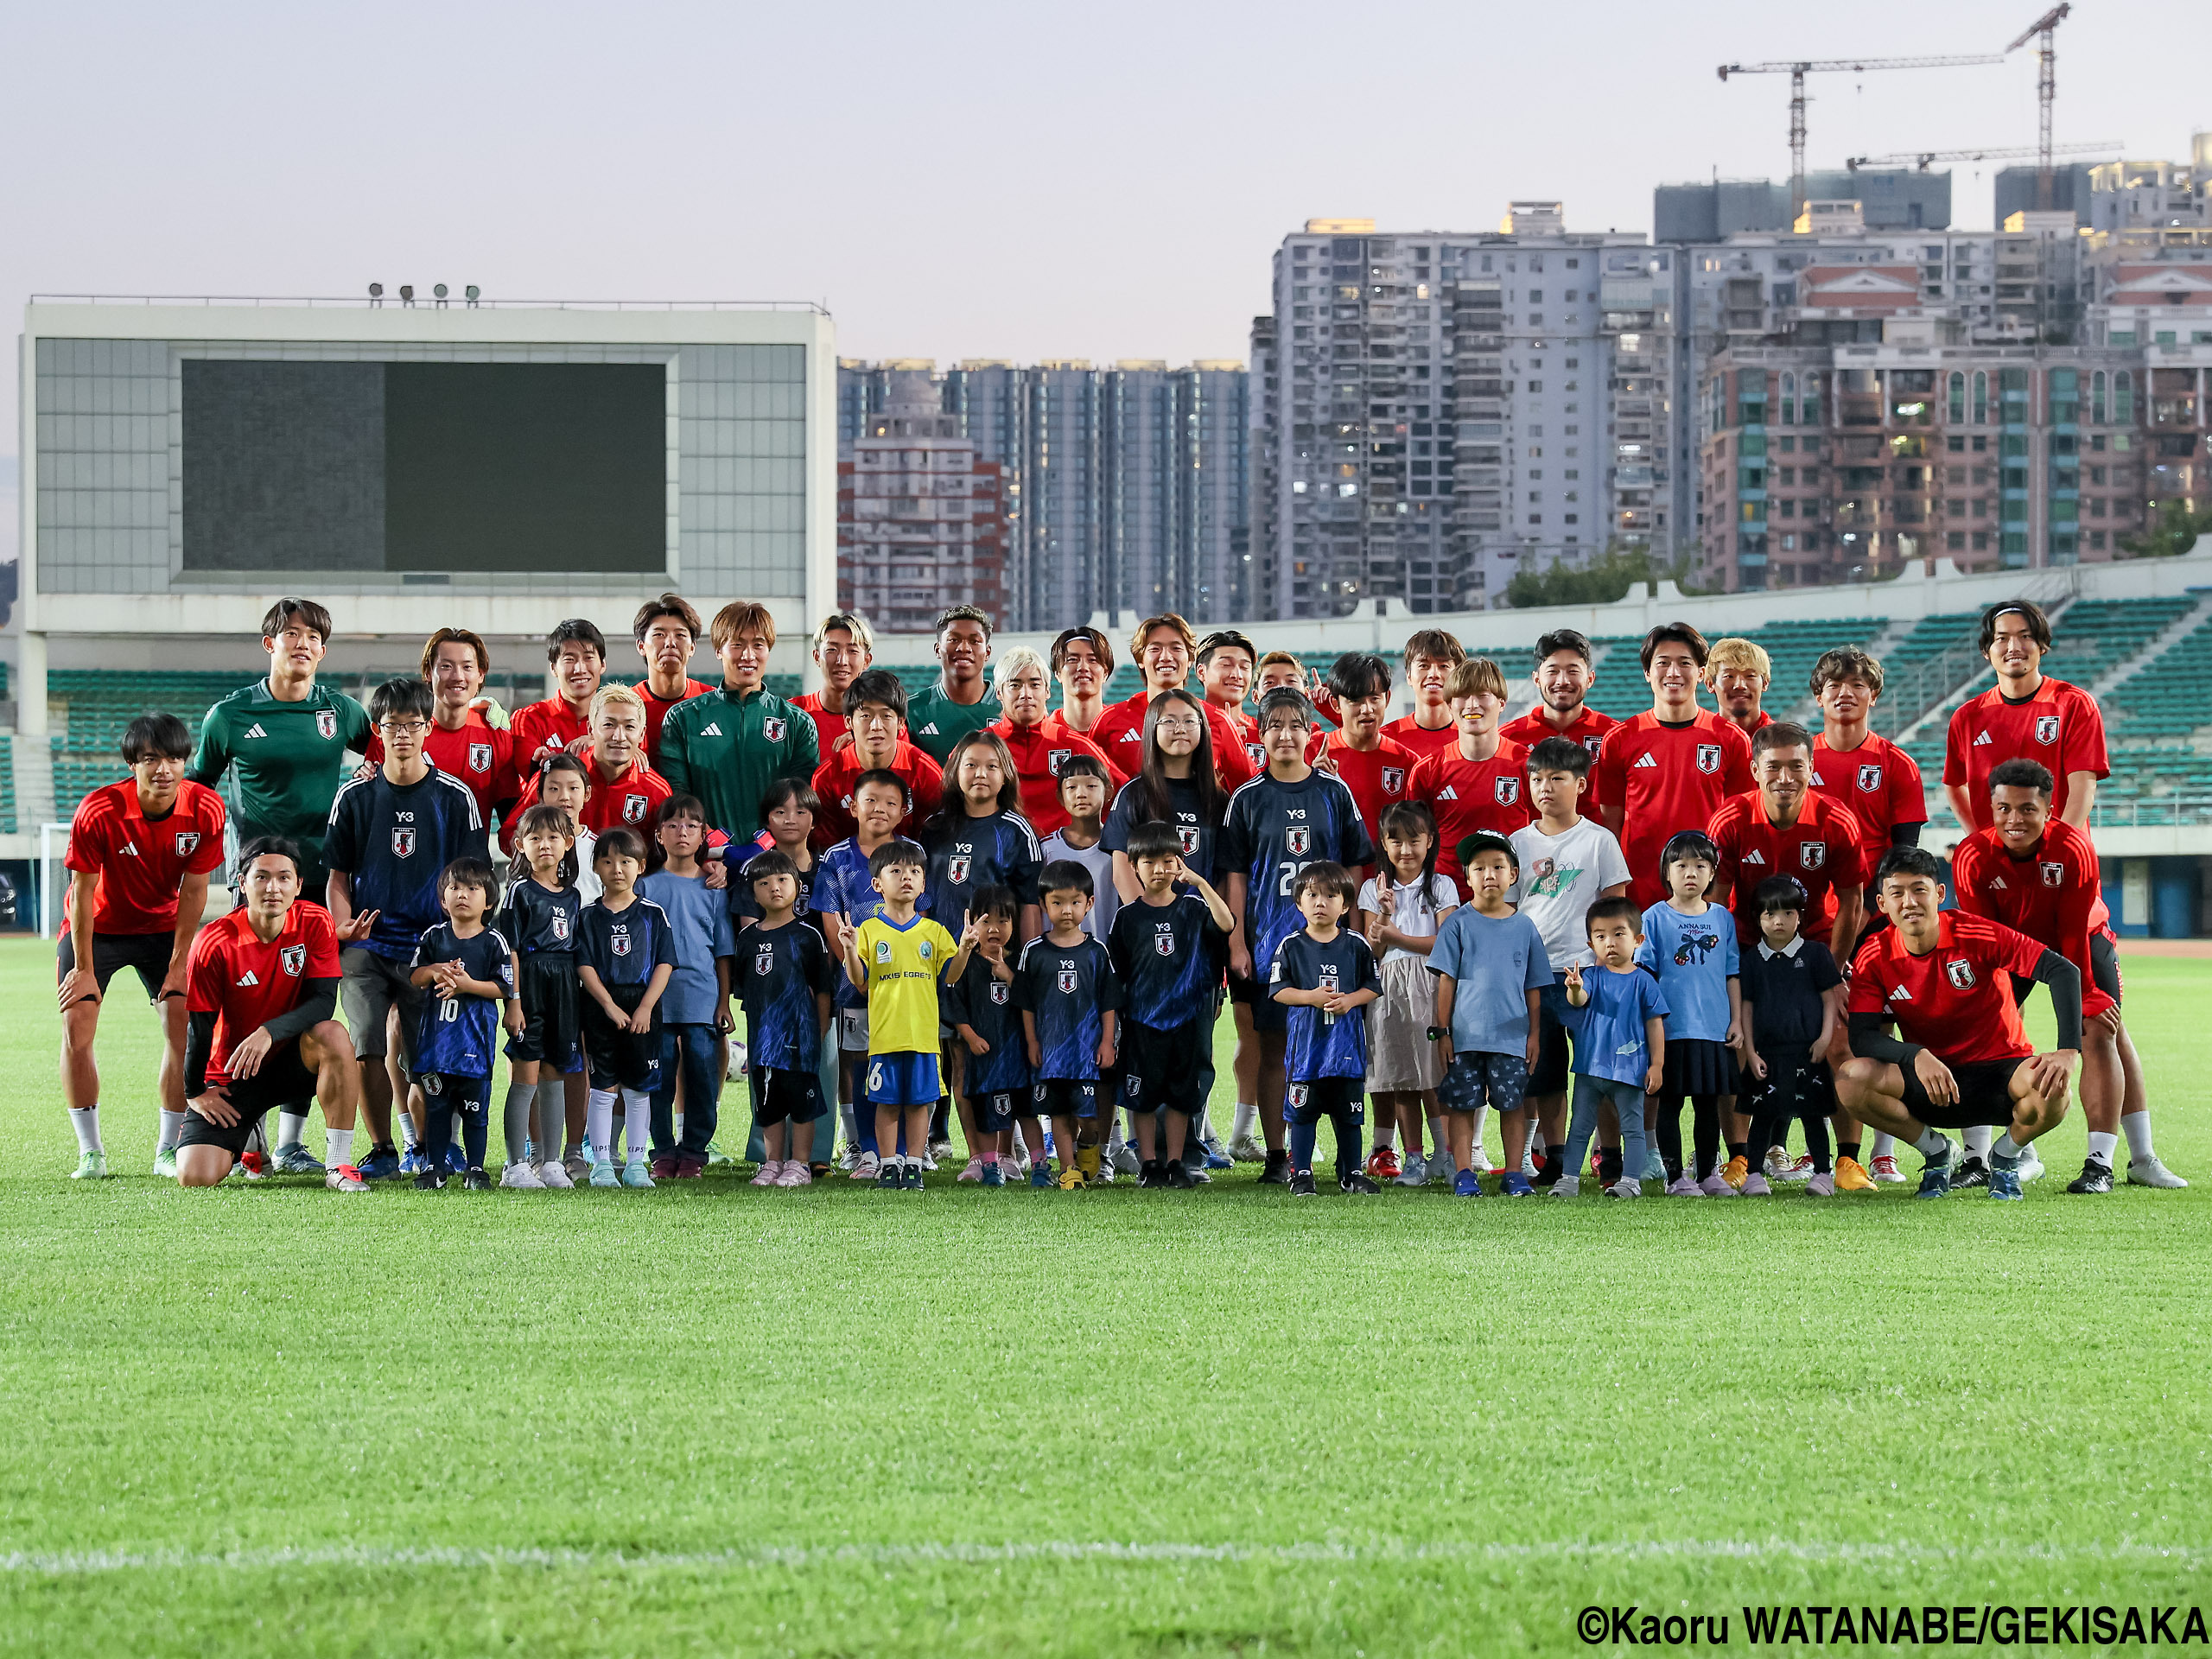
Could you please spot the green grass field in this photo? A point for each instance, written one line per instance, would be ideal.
(273, 1419)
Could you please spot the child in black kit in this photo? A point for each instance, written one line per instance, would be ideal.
(1787, 981)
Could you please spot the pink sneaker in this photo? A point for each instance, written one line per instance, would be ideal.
(769, 1171)
(1684, 1187)
(1755, 1187)
(1715, 1185)
(795, 1173)
(866, 1169)
(1821, 1185)
(974, 1172)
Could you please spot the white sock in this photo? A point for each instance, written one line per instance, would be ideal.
(2137, 1127)
(1481, 1113)
(599, 1123)
(172, 1132)
(1885, 1146)
(291, 1127)
(1932, 1143)
(1437, 1140)
(1977, 1137)
(408, 1142)
(1248, 1114)
(637, 1122)
(338, 1147)
(2101, 1145)
(86, 1122)
(2004, 1154)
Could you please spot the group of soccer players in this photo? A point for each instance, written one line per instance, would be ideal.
(967, 902)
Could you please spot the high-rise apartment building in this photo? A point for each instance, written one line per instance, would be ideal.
(921, 516)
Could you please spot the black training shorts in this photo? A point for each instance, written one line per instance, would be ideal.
(1984, 1094)
(112, 952)
(1166, 1068)
(283, 1079)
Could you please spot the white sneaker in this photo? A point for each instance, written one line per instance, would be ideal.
(521, 1176)
(1799, 1170)
(1126, 1159)
(936, 1149)
(1415, 1173)
(770, 1172)
(1529, 1160)
(865, 1168)
(1776, 1163)
(1625, 1188)
(554, 1175)
(2031, 1168)
(1245, 1150)
(1567, 1186)
(1479, 1161)
(849, 1157)
(2149, 1172)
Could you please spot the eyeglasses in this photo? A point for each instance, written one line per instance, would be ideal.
(404, 728)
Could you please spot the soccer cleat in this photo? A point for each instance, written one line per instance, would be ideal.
(343, 1178)
(1415, 1173)
(1885, 1170)
(1936, 1174)
(1515, 1185)
(1356, 1182)
(475, 1180)
(1278, 1170)
(866, 1169)
(1625, 1188)
(1126, 1160)
(1383, 1164)
(2005, 1183)
(2095, 1177)
(381, 1165)
(1072, 1179)
(1040, 1175)
(92, 1166)
(886, 1175)
(1684, 1186)
(2149, 1172)
(1973, 1173)
(1244, 1149)
(522, 1178)
(994, 1174)
(1755, 1187)
(972, 1170)
(1301, 1185)
(636, 1175)
(1736, 1171)
(1851, 1176)
(1465, 1184)
(2030, 1167)
(603, 1173)
(1716, 1186)
(296, 1159)
(1820, 1184)
(252, 1165)
(429, 1179)
(456, 1159)
(553, 1176)
(1183, 1178)
(1090, 1160)
(929, 1160)
(165, 1164)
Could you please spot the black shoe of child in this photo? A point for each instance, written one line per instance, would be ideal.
(1356, 1183)
(1301, 1185)
(431, 1180)
(476, 1181)
(1152, 1175)
(1182, 1177)
(1277, 1171)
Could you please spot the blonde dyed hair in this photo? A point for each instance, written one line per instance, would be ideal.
(1475, 675)
(1741, 656)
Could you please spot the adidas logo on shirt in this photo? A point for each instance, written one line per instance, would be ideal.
(931, 730)
(1900, 994)
(131, 849)
(254, 730)
(712, 729)
(1981, 740)
(1755, 857)
(1645, 760)
(1447, 793)
(249, 979)
(1997, 885)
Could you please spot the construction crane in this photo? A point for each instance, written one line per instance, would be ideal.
(1798, 70)
(1924, 159)
(2040, 32)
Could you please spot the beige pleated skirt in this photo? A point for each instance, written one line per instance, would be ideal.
(1402, 1058)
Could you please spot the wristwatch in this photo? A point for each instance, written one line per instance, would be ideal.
(1438, 1034)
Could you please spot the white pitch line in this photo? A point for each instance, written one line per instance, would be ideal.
(76, 1563)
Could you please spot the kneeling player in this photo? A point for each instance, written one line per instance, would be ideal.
(1961, 1057)
(261, 992)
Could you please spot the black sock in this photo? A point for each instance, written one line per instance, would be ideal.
(1704, 1118)
(475, 1130)
(1670, 1137)
(1846, 1148)
(1740, 1149)
(1609, 1165)
(437, 1134)
(1816, 1141)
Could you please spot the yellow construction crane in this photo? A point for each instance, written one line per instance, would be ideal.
(1924, 159)
(2040, 32)
(1799, 69)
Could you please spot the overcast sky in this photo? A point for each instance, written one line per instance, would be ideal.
(962, 180)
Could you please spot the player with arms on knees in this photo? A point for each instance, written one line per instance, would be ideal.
(139, 856)
(261, 1001)
(1960, 1055)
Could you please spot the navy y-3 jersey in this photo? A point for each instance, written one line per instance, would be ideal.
(777, 973)
(1274, 830)
(1164, 955)
(1198, 835)
(623, 947)
(973, 853)
(984, 1002)
(393, 840)
(456, 1034)
(1068, 988)
(1318, 1046)
(538, 919)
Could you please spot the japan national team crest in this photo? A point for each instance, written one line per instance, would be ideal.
(772, 728)
(1186, 836)
(560, 924)
(187, 842)
(1058, 757)
(1258, 752)
(634, 807)
(999, 989)
(1163, 941)
(1298, 1095)
(1870, 778)
(764, 959)
(1297, 841)
(1394, 780)
(1593, 744)
(955, 871)
(1067, 981)
(1708, 758)
(403, 843)
(1812, 854)
(2046, 729)
(480, 757)
(1507, 789)
(294, 959)
(2054, 875)
(326, 723)
(1960, 972)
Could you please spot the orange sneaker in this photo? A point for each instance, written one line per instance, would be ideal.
(1735, 1171)
(1851, 1176)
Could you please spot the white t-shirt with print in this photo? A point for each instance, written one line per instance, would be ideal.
(1561, 877)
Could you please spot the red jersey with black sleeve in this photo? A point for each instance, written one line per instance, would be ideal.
(1588, 728)
(1956, 1001)
(1665, 777)
(2059, 727)
(630, 800)
(1425, 741)
(1377, 777)
(1879, 782)
(142, 862)
(245, 983)
(835, 779)
(540, 728)
(657, 710)
(1120, 736)
(1470, 795)
(1822, 850)
(2055, 895)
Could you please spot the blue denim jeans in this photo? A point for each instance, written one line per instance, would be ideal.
(1591, 1094)
(691, 1052)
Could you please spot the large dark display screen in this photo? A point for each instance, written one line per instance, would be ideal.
(460, 467)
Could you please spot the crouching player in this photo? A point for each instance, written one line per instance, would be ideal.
(1323, 976)
(261, 991)
(1960, 1056)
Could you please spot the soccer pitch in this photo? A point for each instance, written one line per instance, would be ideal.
(835, 1421)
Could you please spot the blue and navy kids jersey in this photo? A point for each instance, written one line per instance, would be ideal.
(983, 1001)
(623, 947)
(456, 1034)
(743, 907)
(538, 919)
(777, 973)
(843, 886)
(1273, 832)
(975, 853)
(1198, 835)
(1165, 958)
(393, 841)
(1067, 987)
(1318, 1046)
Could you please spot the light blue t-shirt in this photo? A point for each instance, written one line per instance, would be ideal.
(1610, 1041)
(698, 922)
(1694, 957)
(1497, 961)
